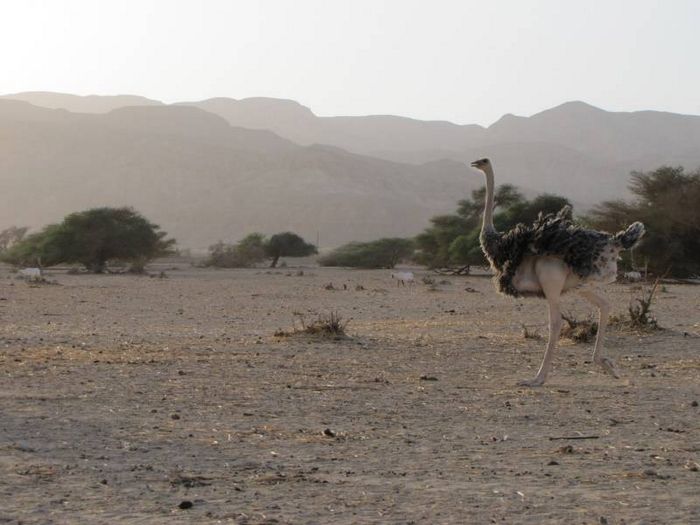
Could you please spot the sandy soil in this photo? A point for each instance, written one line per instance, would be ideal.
(123, 397)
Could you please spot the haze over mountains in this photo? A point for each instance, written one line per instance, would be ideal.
(203, 180)
(221, 168)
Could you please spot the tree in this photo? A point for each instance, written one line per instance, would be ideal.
(93, 238)
(382, 253)
(287, 244)
(667, 201)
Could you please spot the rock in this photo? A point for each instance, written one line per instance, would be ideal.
(428, 378)
(553, 463)
(175, 416)
(185, 504)
(328, 432)
(694, 404)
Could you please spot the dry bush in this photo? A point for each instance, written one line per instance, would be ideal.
(639, 310)
(330, 325)
(579, 331)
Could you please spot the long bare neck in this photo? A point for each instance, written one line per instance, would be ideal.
(487, 226)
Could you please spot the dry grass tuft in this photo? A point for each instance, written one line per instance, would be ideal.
(579, 331)
(330, 325)
(639, 315)
(529, 333)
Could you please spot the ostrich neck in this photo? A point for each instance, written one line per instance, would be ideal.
(487, 226)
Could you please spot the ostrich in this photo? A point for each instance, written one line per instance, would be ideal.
(550, 257)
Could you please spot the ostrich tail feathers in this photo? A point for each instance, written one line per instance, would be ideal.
(630, 237)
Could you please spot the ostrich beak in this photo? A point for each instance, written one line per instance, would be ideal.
(475, 164)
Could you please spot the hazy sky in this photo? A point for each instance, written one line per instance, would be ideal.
(464, 61)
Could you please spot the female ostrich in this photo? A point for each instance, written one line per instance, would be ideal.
(549, 258)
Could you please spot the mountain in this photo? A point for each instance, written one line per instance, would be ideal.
(574, 149)
(267, 163)
(81, 104)
(364, 135)
(204, 180)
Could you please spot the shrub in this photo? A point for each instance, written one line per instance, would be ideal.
(244, 254)
(579, 331)
(255, 248)
(326, 325)
(382, 253)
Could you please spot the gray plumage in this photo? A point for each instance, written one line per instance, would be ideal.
(556, 235)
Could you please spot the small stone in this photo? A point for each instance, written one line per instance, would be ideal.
(175, 416)
(603, 520)
(694, 404)
(185, 504)
(553, 463)
(181, 372)
(328, 432)
(428, 378)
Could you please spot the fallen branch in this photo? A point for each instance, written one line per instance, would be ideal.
(573, 437)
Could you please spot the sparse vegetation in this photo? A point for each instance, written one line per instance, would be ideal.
(254, 248)
(639, 315)
(93, 238)
(530, 333)
(579, 331)
(326, 325)
(639, 310)
(382, 253)
(245, 253)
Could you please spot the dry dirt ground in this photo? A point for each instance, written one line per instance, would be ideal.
(124, 398)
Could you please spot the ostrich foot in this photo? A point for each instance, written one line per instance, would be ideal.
(537, 381)
(608, 366)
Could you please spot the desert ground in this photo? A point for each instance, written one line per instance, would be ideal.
(131, 399)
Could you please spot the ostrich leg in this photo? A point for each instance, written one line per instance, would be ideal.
(552, 277)
(603, 305)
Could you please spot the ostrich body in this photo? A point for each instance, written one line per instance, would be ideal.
(550, 257)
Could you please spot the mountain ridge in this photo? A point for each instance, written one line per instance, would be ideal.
(574, 149)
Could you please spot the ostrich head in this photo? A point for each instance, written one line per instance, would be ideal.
(481, 164)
